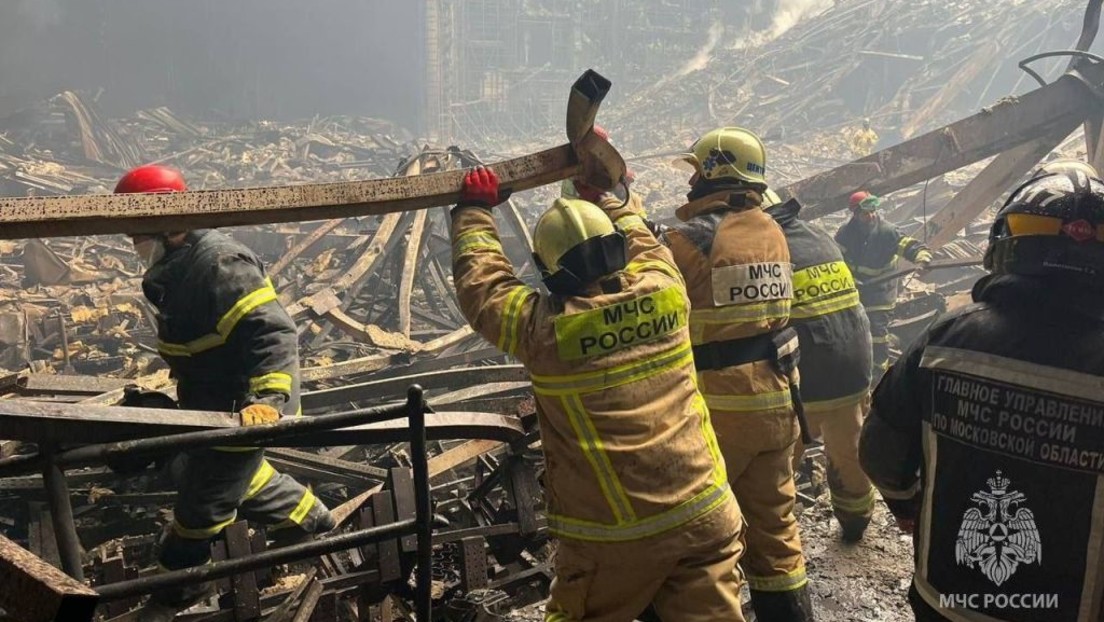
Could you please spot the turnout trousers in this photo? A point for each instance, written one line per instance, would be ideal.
(216, 487)
(689, 574)
(839, 428)
(758, 449)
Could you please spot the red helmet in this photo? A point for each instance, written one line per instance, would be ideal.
(151, 178)
(858, 198)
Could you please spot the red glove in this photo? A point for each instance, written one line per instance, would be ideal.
(480, 188)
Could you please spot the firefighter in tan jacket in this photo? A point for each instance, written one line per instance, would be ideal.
(739, 279)
(635, 482)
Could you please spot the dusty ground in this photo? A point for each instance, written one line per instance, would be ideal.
(850, 583)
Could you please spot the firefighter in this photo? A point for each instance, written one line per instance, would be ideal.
(862, 141)
(835, 361)
(231, 347)
(984, 438)
(871, 247)
(739, 278)
(635, 484)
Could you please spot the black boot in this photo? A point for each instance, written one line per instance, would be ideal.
(852, 528)
(791, 606)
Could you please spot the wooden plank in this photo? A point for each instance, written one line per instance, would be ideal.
(247, 600)
(30, 217)
(1005, 125)
(34, 591)
(410, 267)
(460, 455)
(988, 186)
(80, 423)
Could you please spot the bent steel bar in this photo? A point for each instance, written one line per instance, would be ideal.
(274, 557)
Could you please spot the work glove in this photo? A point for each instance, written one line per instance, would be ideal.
(480, 189)
(259, 414)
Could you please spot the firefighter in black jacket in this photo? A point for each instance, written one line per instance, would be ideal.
(231, 347)
(835, 361)
(871, 247)
(987, 437)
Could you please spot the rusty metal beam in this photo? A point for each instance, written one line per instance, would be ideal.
(989, 185)
(1007, 124)
(33, 591)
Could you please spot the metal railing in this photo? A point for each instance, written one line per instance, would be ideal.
(51, 461)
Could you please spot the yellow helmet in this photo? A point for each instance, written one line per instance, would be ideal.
(574, 244)
(1065, 166)
(729, 153)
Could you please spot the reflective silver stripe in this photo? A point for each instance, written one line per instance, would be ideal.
(707, 500)
(1013, 371)
(1090, 590)
(900, 495)
(789, 347)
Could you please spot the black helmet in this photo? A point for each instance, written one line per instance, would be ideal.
(1052, 225)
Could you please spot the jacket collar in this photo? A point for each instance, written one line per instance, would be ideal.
(737, 200)
(784, 213)
(1064, 296)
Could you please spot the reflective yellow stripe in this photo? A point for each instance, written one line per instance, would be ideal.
(904, 243)
(750, 403)
(873, 272)
(274, 381)
(705, 501)
(558, 617)
(640, 265)
(678, 356)
(305, 504)
(889, 307)
(225, 325)
(511, 318)
(833, 404)
(630, 221)
(854, 505)
(900, 495)
(591, 444)
(720, 474)
(475, 240)
(788, 582)
(879, 340)
(753, 312)
(264, 474)
(610, 328)
(824, 307)
(203, 533)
